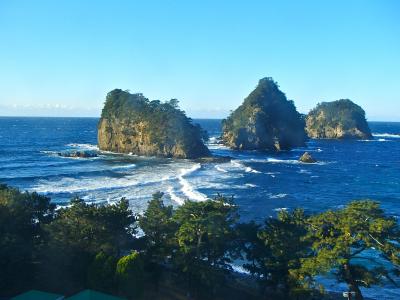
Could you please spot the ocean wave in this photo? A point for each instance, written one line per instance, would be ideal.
(280, 208)
(123, 167)
(387, 135)
(187, 189)
(85, 184)
(247, 169)
(288, 161)
(83, 146)
(278, 196)
(250, 185)
(219, 168)
(375, 140)
(251, 170)
(174, 197)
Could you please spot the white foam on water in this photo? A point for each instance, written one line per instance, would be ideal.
(387, 135)
(250, 170)
(219, 168)
(250, 185)
(187, 189)
(282, 161)
(84, 146)
(174, 197)
(247, 169)
(128, 166)
(281, 208)
(303, 171)
(278, 196)
(376, 140)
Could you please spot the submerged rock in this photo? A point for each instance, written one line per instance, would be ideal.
(265, 121)
(341, 119)
(214, 159)
(80, 154)
(131, 123)
(307, 158)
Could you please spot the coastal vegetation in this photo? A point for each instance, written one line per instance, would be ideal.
(341, 119)
(131, 123)
(190, 251)
(266, 120)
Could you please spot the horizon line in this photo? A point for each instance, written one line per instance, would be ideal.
(92, 117)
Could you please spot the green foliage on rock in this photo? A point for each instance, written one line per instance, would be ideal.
(341, 119)
(131, 123)
(266, 120)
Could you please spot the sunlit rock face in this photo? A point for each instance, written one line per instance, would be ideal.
(131, 123)
(341, 119)
(266, 120)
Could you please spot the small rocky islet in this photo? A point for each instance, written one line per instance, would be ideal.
(266, 120)
(341, 119)
(131, 123)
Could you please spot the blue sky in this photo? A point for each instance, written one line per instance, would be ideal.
(60, 58)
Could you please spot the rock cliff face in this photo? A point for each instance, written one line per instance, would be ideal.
(265, 121)
(341, 119)
(130, 123)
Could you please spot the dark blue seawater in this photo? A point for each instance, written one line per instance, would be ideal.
(260, 182)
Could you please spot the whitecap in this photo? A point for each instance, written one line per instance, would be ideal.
(174, 197)
(250, 185)
(278, 196)
(387, 135)
(83, 146)
(280, 208)
(218, 167)
(250, 170)
(187, 189)
(303, 171)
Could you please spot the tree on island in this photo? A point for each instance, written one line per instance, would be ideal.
(354, 243)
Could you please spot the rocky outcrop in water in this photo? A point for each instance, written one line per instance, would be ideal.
(307, 158)
(78, 154)
(131, 123)
(265, 121)
(341, 119)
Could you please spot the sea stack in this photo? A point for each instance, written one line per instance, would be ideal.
(131, 123)
(341, 119)
(266, 120)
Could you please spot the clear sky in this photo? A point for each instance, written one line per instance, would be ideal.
(60, 58)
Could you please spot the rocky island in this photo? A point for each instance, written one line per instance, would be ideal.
(131, 123)
(266, 120)
(341, 119)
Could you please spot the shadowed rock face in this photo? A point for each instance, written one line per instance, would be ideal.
(130, 123)
(341, 119)
(265, 121)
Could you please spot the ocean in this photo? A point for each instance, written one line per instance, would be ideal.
(260, 182)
